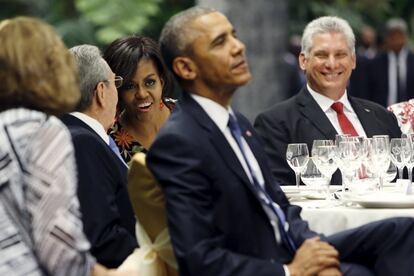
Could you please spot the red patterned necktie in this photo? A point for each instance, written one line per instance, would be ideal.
(344, 122)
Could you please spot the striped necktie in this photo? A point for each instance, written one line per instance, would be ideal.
(262, 194)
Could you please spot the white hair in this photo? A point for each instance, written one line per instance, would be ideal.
(327, 24)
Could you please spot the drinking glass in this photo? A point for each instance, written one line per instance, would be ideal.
(391, 173)
(312, 176)
(410, 161)
(348, 160)
(297, 156)
(326, 162)
(380, 156)
(399, 151)
(340, 137)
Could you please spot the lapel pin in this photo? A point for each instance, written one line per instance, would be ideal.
(367, 110)
(248, 133)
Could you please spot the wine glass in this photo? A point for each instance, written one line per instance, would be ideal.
(391, 173)
(348, 160)
(380, 156)
(311, 176)
(297, 156)
(326, 156)
(399, 153)
(410, 161)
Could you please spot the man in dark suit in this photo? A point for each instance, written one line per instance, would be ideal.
(227, 215)
(390, 75)
(328, 58)
(107, 214)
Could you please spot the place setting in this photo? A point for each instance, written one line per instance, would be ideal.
(369, 168)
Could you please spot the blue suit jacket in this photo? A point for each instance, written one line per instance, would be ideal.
(216, 222)
(107, 214)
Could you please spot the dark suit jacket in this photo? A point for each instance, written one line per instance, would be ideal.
(377, 74)
(107, 215)
(217, 224)
(301, 120)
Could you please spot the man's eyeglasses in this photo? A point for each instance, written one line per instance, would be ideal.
(118, 80)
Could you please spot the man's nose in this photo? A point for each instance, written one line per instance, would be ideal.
(331, 61)
(238, 46)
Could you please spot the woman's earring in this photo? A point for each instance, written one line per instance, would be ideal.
(161, 105)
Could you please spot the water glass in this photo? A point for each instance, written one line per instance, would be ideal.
(297, 156)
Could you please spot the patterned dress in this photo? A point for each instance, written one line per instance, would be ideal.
(127, 145)
(40, 226)
(404, 111)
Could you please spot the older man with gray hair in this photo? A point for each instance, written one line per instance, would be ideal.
(107, 213)
(323, 107)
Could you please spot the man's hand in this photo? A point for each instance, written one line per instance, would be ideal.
(331, 271)
(313, 257)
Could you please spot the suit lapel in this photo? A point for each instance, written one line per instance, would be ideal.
(216, 137)
(366, 117)
(311, 110)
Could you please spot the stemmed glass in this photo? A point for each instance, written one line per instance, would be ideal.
(326, 162)
(348, 159)
(313, 177)
(400, 152)
(380, 156)
(297, 156)
(410, 161)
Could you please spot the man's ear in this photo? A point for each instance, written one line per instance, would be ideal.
(302, 61)
(185, 68)
(100, 93)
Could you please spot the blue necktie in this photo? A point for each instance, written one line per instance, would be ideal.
(263, 195)
(115, 149)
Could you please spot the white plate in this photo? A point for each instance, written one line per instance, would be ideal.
(384, 200)
(314, 196)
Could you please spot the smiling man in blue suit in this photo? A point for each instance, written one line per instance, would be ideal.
(227, 214)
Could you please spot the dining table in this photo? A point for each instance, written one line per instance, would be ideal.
(346, 210)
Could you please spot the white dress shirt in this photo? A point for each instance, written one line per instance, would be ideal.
(94, 124)
(395, 60)
(325, 104)
(220, 116)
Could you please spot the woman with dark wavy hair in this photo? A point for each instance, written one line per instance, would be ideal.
(143, 104)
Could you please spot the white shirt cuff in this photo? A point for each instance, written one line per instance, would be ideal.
(285, 268)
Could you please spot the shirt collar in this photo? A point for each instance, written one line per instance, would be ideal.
(402, 54)
(92, 123)
(325, 102)
(217, 113)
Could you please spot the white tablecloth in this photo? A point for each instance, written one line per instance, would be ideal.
(330, 220)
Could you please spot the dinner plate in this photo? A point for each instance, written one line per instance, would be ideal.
(314, 196)
(384, 200)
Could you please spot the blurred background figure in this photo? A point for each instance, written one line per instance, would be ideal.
(367, 42)
(294, 78)
(391, 73)
(144, 104)
(366, 51)
(40, 224)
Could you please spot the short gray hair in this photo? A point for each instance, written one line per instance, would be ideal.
(396, 24)
(175, 39)
(327, 24)
(92, 69)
